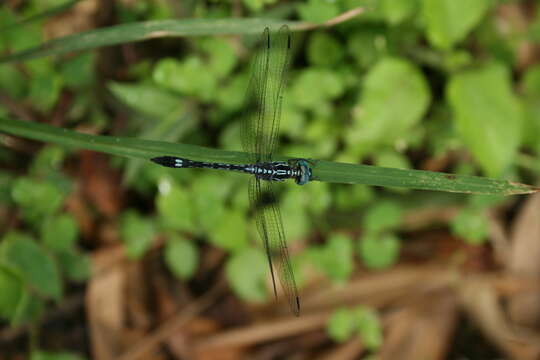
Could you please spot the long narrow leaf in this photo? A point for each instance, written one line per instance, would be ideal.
(322, 170)
(139, 31)
(42, 15)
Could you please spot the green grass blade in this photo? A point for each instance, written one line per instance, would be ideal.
(322, 170)
(416, 179)
(42, 15)
(139, 31)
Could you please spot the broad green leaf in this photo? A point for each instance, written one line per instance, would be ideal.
(379, 251)
(181, 257)
(381, 217)
(137, 233)
(351, 197)
(247, 273)
(315, 86)
(341, 325)
(36, 198)
(29, 309)
(59, 232)
(146, 98)
(368, 45)
(48, 161)
(174, 207)
(318, 11)
(470, 225)
(23, 255)
(394, 99)
(189, 77)
(396, 11)
(45, 91)
(221, 56)
(74, 264)
(11, 288)
(338, 257)
(12, 81)
(230, 231)
(488, 115)
(324, 50)
(78, 71)
(369, 328)
(449, 21)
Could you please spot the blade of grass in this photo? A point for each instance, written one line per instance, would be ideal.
(42, 15)
(322, 170)
(139, 31)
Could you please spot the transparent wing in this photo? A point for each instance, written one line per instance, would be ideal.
(270, 227)
(260, 124)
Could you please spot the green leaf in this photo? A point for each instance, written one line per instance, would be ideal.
(318, 11)
(335, 258)
(379, 251)
(181, 257)
(531, 81)
(59, 232)
(12, 81)
(488, 115)
(75, 265)
(229, 233)
(324, 50)
(21, 253)
(386, 215)
(42, 355)
(37, 198)
(137, 233)
(48, 161)
(341, 325)
(29, 309)
(11, 288)
(146, 98)
(222, 58)
(78, 71)
(190, 77)
(247, 272)
(174, 207)
(369, 328)
(368, 45)
(139, 31)
(396, 11)
(449, 21)
(327, 171)
(314, 86)
(470, 225)
(394, 99)
(45, 91)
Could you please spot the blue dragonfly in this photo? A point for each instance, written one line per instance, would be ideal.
(259, 135)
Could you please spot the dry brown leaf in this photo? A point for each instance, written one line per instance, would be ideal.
(524, 260)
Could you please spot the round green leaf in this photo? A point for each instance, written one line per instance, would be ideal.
(247, 272)
(174, 208)
(324, 50)
(449, 21)
(488, 115)
(379, 251)
(230, 232)
(137, 233)
(59, 232)
(11, 288)
(369, 328)
(23, 255)
(470, 225)
(181, 257)
(394, 99)
(383, 216)
(341, 325)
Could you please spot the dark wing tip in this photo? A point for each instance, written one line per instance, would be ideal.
(296, 309)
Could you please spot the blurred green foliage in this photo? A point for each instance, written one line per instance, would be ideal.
(406, 80)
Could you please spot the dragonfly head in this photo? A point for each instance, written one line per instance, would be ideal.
(305, 172)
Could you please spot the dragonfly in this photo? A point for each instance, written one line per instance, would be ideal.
(259, 137)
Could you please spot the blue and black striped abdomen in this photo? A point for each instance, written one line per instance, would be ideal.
(269, 171)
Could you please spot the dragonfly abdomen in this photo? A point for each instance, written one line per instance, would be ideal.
(269, 171)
